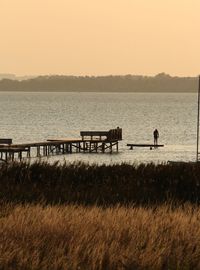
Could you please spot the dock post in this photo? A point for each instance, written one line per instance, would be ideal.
(38, 151)
(96, 146)
(79, 147)
(28, 152)
(90, 147)
(70, 147)
(63, 148)
(20, 155)
(76, 147)
(84, 147)
(103, 147)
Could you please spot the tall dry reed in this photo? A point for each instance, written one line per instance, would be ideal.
(77, 237)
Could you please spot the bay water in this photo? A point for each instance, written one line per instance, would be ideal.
(35, 117)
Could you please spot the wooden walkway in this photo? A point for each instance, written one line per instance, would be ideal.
(91, 142)
(151, 146)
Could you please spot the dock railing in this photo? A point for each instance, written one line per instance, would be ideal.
(115, 134)
(111, 135)
(5, 141)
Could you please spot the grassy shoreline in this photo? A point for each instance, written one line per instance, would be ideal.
(99, 184)
(105, 217)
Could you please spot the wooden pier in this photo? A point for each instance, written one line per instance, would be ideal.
(90, 142)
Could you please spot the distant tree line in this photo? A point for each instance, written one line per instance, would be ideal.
(128, 83)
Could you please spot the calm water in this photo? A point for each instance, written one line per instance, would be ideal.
(29, 117)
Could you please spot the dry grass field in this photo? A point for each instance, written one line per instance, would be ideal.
(121, 237)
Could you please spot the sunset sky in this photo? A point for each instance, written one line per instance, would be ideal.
(100, 37)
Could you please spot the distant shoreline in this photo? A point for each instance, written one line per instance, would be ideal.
(99, 92)
(161, 83)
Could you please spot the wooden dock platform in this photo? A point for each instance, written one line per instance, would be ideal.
(112, 134)
(151, 146)
(90, 142)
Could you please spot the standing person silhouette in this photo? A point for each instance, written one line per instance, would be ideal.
(155, 136)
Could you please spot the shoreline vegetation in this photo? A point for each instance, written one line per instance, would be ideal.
(101, 185)
(81, 216)
(126, 83)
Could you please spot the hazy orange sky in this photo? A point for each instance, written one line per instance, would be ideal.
(100, 37)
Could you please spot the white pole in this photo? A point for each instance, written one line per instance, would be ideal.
(197, 156)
